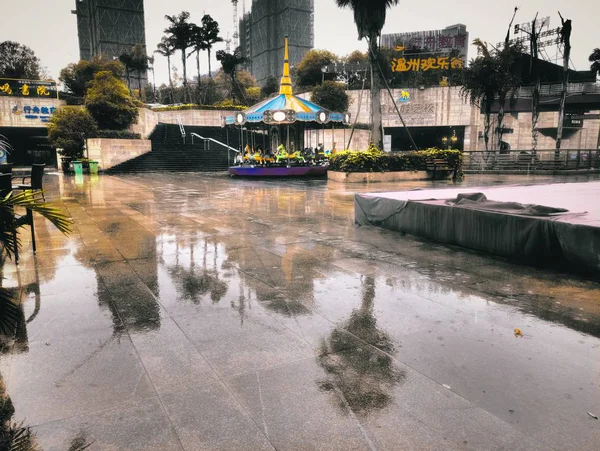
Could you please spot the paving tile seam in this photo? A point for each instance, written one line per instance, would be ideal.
(222, 383)
(95, 412)
(173, 429)
(215, 373)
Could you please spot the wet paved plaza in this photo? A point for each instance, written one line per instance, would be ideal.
(191, 311)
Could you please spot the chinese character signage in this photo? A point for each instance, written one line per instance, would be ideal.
(413, 64)
(41, 113)
(28, 88)
(451, 39)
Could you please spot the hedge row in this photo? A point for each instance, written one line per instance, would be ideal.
(116, 134)
(374, 160)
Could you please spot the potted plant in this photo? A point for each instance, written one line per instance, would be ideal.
(69, 127)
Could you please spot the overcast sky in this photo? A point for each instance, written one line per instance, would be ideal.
(49, 28)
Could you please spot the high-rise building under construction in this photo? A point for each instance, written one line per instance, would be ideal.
(262, 34)
(109, 27)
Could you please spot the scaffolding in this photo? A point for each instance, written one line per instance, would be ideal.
(108, 30)
(262, 32)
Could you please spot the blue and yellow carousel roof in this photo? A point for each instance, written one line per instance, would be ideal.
(286, 108)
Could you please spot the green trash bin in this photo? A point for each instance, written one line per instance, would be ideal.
(78, 167)
(93, 167)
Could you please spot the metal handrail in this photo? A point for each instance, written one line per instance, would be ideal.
(213, 140)
(530, 161)
(555, 89)
(181, 128)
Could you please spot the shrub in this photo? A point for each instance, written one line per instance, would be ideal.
(370, 160)
(116, 134)
(374, 160)
(69, 127)
(331, 96)
(109, 102)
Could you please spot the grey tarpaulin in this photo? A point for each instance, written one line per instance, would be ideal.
(532, 233)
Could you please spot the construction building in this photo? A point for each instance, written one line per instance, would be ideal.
(262, 34)
(109, 28)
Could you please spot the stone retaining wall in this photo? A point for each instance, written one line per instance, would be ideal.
(111, 152)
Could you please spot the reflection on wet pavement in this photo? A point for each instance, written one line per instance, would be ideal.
(191, 311)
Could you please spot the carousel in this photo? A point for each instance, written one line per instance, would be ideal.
(283, 136)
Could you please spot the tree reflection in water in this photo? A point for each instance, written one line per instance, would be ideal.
(194, 284)
(361, 376)
(14, 340)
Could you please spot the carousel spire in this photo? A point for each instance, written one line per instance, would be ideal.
(286, 82)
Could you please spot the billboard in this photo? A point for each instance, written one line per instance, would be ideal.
(454, 38)
(28, 88)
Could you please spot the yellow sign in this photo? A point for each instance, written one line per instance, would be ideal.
(42, 91)
(425, 64)
(5, 88)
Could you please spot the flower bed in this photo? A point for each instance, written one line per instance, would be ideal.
(374, 160)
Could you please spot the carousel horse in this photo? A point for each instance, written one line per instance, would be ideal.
(282, 155)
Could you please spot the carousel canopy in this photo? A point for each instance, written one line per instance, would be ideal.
(286, 108)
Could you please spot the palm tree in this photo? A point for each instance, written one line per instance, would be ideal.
(127, 61)
(8, 222)
(180, 33)
(369, 16)
(230, 63)
(139, 63)
(165, 48)
(595, 60)
(211, 30)
(151, 63)
(479, 87)
(198, 45)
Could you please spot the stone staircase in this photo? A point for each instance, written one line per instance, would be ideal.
(170, 154)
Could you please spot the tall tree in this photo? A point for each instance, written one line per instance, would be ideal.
(565, 39)
(508, 75)
(198, 45)
(76, 77)
(110, 103)
(165, 48)
(211, 36)
(595, 60)
(369, 16)
(534, 70)
(139, 63)
(309, 70)
(331, 95)
(180, 32)
(18, 61)
(230, 63)
(478, 86)
(270, 87)
(127, 61)
(151, 60)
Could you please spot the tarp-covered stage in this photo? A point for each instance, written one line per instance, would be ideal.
(557, 224)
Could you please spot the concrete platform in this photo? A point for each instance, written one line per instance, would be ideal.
(569, 239)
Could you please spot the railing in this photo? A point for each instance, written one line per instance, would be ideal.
(556, 89)
(206, 140)
(181, 129)
(529, 161)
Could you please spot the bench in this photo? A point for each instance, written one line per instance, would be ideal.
(439, 167)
